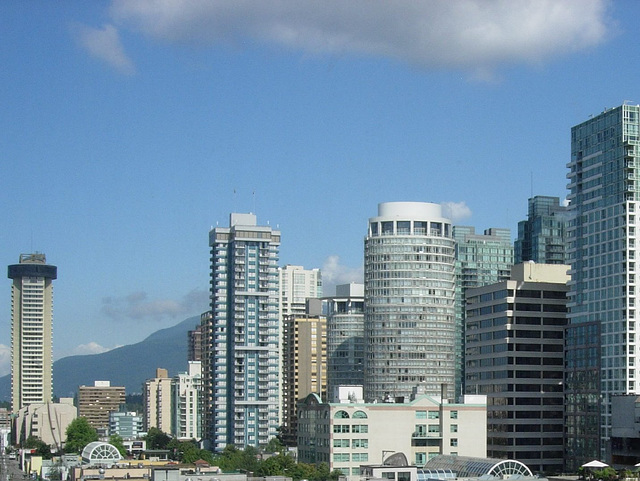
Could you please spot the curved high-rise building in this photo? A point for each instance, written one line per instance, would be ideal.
(409, 279)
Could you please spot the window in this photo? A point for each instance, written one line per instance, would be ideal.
(360, 457)
(454, 428)
(453, 414)
(341, 428)
(341, 415)
(421, 414)
(433, 415)
(340, 443)
(453, 442)
(341, 457)
(360, 443)
(359, 415)
(359, 428)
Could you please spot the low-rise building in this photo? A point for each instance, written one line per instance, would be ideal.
(127, 425)
(625, 430)
(350, 433)
(47, 421)
(97, 401)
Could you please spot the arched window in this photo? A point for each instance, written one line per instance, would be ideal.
(341, 415)
(359, 415)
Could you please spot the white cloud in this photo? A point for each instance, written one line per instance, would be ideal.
(104, 44)
(5, 360)
(456, 211)
(334, 273)
(137, 306)
(89, 348)
(475, 35)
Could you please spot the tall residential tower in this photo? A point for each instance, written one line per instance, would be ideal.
(242, 345)
(31, 330)
(602, 356)
(409, 289)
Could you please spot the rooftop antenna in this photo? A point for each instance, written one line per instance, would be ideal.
(254, 201)
(234, 201)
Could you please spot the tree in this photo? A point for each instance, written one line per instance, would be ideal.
(79, 434)
(42, 448)
(116, 441)
(274, 446)
(233, 459)
(156, 439)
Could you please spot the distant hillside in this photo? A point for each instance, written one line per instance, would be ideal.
(127, 366)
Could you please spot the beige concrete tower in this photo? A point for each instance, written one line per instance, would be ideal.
(31, 330)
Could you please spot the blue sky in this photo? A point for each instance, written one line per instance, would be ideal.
(126, 127)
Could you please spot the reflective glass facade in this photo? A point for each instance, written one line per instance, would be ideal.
(345, 337)
(541, 238)
(604, 184)
(481, 260)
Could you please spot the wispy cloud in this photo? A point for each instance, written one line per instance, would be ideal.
(90, 348)
(5, 360)
(105, 45)
(456, 211)
(474, 35)
(138, 306)
(334, 273)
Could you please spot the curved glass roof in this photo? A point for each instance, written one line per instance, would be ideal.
(98, 452)
(467, 467)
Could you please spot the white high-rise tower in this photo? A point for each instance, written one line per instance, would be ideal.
(409, 275)
(31, 330)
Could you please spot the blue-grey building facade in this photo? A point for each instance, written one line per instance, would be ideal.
(242, 341)
(542, 236)
(602, 355)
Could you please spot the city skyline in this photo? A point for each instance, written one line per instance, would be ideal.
(127, 135)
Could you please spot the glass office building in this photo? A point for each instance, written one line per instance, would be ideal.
(541, 238)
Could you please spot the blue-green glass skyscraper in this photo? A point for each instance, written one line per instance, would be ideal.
(602, 355)
(541, 237)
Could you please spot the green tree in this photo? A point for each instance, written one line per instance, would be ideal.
(156, 439)
(42, 448)
(79, 434)
(116, 441)
(234, 459)
(274, 446)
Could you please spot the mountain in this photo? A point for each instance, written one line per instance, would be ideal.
(127, 366)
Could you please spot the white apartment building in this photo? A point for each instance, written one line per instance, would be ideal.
(349, 433)
(187, 403)
(297, 284)
(31, 330)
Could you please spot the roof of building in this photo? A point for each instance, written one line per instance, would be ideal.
(468, 467)
(98, 452)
